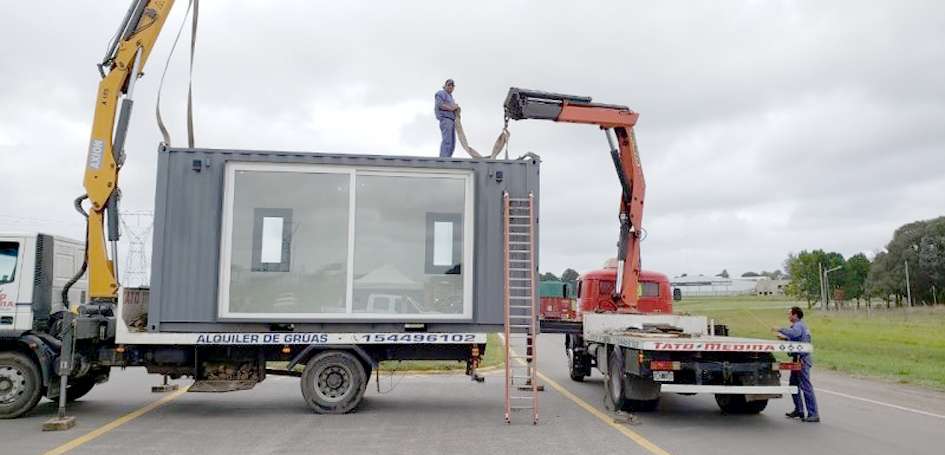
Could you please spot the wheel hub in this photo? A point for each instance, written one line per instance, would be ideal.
(333, 382)
(12, 383)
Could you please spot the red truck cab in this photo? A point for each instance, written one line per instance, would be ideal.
(595, 288)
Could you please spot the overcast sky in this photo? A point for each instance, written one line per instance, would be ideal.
(765, 126)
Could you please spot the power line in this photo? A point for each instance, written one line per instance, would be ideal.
(137, 226)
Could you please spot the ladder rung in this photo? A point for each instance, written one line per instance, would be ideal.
(520, 260)
(521, 398)
(520, 297)
(520, 243)
(519, 217)
(519, 199)
(521, 356)
(520, 326)
(520, 306)
(521, 316)
(517, 269)
(520, 407)
(520, 288)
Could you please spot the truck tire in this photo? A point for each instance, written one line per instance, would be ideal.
(577, 365)
(643, 405)
(333, 382)
(77, 388)
(615, 381)
(20, 384)
(737, 404)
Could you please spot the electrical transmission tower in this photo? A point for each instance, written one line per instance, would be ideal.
(137, 226)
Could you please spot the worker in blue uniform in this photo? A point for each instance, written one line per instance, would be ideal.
(798, 331)
(446, 109)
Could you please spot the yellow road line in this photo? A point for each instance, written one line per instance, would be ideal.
(115, 424)
(634, 436)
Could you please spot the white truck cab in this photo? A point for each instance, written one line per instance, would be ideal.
(33, 269)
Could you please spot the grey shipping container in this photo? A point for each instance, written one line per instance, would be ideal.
(255, 240)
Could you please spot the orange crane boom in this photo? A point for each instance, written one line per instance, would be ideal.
(523, 104)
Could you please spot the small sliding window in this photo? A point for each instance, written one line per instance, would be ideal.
(444, 243)
(272, 239)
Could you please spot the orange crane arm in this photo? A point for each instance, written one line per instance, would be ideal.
(523, 104)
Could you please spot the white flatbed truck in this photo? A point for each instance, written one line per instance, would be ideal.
(645, 355)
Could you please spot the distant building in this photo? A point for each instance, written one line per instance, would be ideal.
(702, 285)
(771, 287)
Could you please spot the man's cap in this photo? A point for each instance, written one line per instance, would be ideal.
(449, 82)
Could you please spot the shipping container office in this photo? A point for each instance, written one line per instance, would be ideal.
(253, 240)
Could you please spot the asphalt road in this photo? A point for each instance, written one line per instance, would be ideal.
(449, 414)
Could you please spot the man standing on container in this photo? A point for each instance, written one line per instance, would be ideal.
(446, 109)
(798, 331)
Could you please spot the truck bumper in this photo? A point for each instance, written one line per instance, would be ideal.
(730, 389)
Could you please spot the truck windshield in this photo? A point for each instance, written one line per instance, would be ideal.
(8, 254)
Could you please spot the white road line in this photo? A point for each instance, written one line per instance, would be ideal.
(880, 403)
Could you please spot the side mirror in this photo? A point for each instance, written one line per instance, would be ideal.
(677, 294)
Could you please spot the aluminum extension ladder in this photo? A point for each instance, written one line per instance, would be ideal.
(521, 323)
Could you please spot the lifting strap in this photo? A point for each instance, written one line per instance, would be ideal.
(193, 42)
(190, 77)
(500, 141)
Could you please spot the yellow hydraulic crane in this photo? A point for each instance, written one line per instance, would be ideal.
(120, 68)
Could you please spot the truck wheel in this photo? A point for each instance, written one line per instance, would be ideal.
(77, 388)
(643, 405)
(615, 380)
(737, 404)
(576, 366)
(333, 382)
(20, 385)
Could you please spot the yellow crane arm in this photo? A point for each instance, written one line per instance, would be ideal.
(120, 68)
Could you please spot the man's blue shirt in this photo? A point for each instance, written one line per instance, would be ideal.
(798, 331)
(443, 97)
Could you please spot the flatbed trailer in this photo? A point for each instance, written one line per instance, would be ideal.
(645, 355)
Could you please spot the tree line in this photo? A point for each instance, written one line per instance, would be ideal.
(917, 250)
(569, 276)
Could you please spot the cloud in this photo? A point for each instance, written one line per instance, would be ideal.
(766, 127)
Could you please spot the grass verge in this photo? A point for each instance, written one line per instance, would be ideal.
(906, 345)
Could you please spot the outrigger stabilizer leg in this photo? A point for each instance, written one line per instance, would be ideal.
(63, 422)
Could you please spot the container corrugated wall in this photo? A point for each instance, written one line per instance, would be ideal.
(187, 231)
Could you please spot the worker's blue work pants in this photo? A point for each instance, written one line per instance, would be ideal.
(801, 379)
(448, 133)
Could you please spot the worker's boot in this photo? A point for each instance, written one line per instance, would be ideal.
(811, 419)
(794, 415)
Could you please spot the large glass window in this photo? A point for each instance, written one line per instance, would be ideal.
(8, 254)
(408, 245)
(288, 242)
(300, 243)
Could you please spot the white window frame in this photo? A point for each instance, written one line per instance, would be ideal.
(226, 247)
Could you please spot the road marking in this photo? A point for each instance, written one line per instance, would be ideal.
(634, 436)
(609, 420)
(115, 424)
(880, 403)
